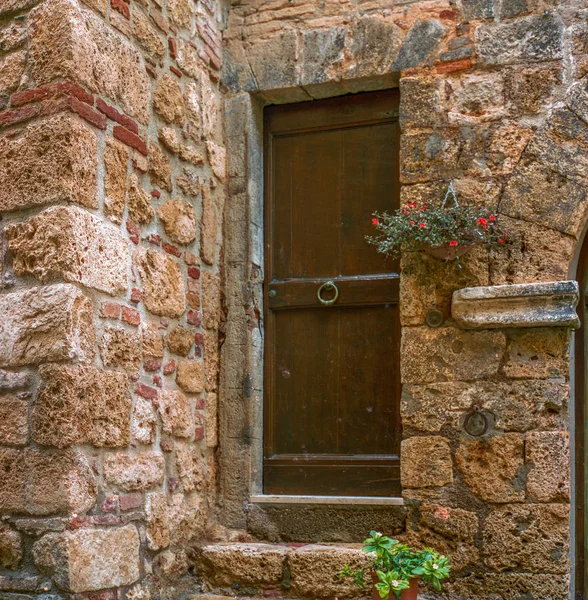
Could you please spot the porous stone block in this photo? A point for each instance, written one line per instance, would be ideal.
(547, 455)
(211, 300)
(168, 101)
(176, 414)
(42, 482)
(322, 53)
(163, 286)
(422, 102)
(527, 537)
(157, 521)
(133, 472)
(189, 467)
(209, 228)
(46, 324)
(425, 462)
(70, 243)
(82, 405)
(152, 340)
(494, 468)
(519, 305)
(140, 209)
(12, 67)
(116, 158)
(10, 6)
(448, 353)
(535, 38)
(14, 420)
(190, 376)
(67, 41)
(226, 564)
(50, 161)
(120, 348)
(179, 221)
(87, 560)
(11, 547)
(143, 422)
(180, 340)
(147, 35)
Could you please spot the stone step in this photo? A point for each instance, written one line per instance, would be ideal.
(288, 570)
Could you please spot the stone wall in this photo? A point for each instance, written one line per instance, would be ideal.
(495, 96)
(112, 178)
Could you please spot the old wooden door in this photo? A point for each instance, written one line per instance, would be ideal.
(332, 382)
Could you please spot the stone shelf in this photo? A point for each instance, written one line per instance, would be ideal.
(551, 304)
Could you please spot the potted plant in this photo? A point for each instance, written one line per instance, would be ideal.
(444, 229)
(395, 569)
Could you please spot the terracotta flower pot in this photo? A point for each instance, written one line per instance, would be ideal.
(410, 594)
(447, 252)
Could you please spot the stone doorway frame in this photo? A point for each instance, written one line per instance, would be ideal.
(241, 390)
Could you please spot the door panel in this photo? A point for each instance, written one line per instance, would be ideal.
(332, 383)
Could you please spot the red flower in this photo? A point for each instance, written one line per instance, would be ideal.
(453, 243)
(406, 211)
(375, 222)
(424, 207)
(483, 222)
(422, 224)
(500, 241)
(492, 217)
(412, 222)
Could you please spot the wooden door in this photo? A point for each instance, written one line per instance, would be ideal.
(332, 381)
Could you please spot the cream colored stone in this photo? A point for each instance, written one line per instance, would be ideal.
(191, 154)
(169, 139)
(87, 560)
(46, 324)
(189, 467)
(190, 376)
(217, 159)
(209, 230)
(147, 35)
(159, 167)
(152, 340)
(143, 422)
(181, 12)
(140, 209)
(50, 161)
(168, 101)
(179, 221)
(116, 158)
(120, 348)
(157, 521)
(132, 472)
(71, 243)
(176, 414)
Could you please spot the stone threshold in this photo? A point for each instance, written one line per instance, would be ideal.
(551, 304)
(332, 500)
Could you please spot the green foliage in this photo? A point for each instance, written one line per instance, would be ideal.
(396, 564)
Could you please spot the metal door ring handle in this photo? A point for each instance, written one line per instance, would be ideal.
(327, 286)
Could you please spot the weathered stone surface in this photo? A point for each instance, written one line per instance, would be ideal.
(43, 482)
(537, 194)
(209, 229)
(46, 324)
(538, 354)
(179, 221)
(14, 417)
(140, 209)
(180, 340)
(12, 35)
(190, 376)
(152, 340)
(461, 355)
(547, 455)
(494, 468)
(11, 547)
(50, 161)
(10, 6)
(211, 299)
(425, 462)
(322, 50)
(116, 158)
(90, 559)
(66, 41)
(532, 88)
(163, 286)
(521, 305)
(147, 35)
(527, 537)
(143, 422)
(13, 380)
(159, 167)
(80, 405)
(421, 102)
(132, 472)
(273, 62)
(189, 467)
(476, 9)
(536, 38)
(211, 359)
(211, 422)
(181, 12)
(71, 243)
(120, 348)
(477, 98)
(168, 101)
(418, 44)
(12, 67)
(217, 157)
(314, 570)
(157, 521)
(225, 564)
(176, 414)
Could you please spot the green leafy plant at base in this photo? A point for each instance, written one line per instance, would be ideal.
(416, 226)
(395, 564)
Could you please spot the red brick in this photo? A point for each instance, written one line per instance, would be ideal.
(214, 59)
(113, 114)
(110, 504)
(154, 239)
(61, 88)
(131, 316)
(152, 72)
(171, 249)
(134, 238)
(200, 404)
(130, 139)
(88, 113)
(130, 501)
(121, 7)
(173, 49)
(109, 310)
(132, 228)
(156, 193)
(199, 339)
(135, 295)
(448, 14)
(193, 318)
(152, 366)
(157, 381)
(146, 392)
(169, 367)
(175, 71)
(10, 117)
(194, 273)
(159, 21)
(198, 434)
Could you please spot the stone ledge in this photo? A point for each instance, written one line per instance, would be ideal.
(551, 304)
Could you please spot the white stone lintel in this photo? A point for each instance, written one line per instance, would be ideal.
(551, 304)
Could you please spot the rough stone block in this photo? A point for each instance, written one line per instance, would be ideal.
(80, 405)
(50, 161)
(494, 468)
(418, 44)
(209, 230)
(152, 340)
(163, 286)
(132, 472)
(116, 158)
(211, 300)
(46, 324)
(521, 305)
(532, 88)
(168, 101)
(190, 376)
(176, 414)
(11, 547)
(14, 417)
(69, 42)
(71, 243)
(157, 521)
(179, 221)
(12, 67)
(180, 340)
(37, 482)
(87, 560)
(322, 52)
(189, 467)
(120, 348)
(425, 462)
(547, 455)
(527, 537)
(273, 62)
(536, 38)
(140, 209)
(448, 353)
(422, 102)
(225, 564)
(143, 423)
(147, 35)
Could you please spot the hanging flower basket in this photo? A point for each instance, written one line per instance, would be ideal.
(446, 230)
